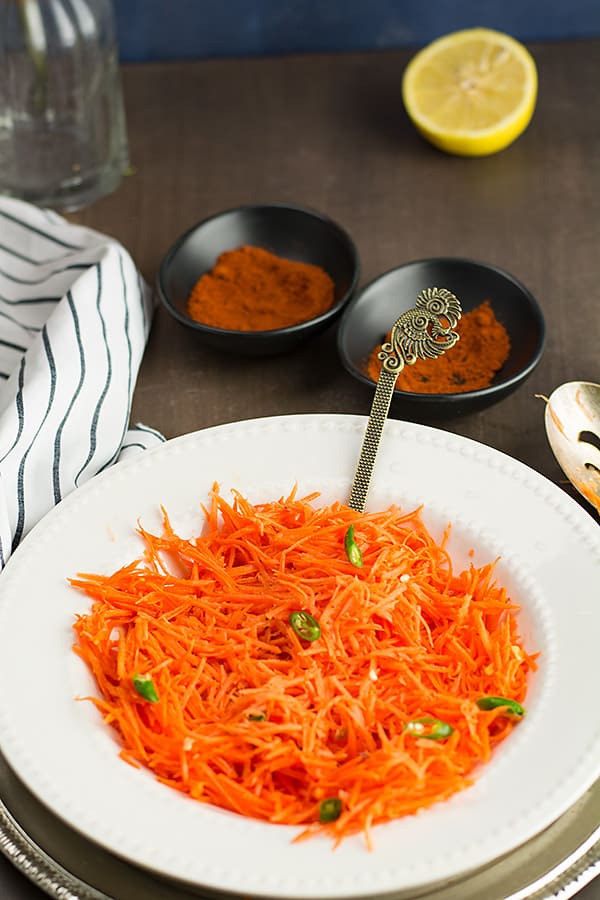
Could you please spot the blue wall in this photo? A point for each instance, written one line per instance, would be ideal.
(196, 29)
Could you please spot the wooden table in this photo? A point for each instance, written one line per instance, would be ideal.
(329, 131)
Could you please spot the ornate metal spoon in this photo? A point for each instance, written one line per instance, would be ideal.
(424, 332)
(572, 420)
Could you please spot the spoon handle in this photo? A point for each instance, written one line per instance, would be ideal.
(424, 332)
(371, 439)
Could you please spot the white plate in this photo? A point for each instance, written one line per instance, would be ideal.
(550, 551)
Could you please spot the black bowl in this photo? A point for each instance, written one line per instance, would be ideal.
(373, 311)
(291, 232)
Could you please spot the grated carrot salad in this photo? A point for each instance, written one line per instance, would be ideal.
(251, 717)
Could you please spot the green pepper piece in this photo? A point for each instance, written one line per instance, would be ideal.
(256, 717)
(430, 728)
(512, 707)
(352, 549)
(145, 687)
(305, 625)
(330, 809)
(340, 735)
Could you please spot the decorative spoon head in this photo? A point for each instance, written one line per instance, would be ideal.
(423, 332)
(572, 421)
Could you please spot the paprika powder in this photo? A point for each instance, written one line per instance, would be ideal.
(471, 364)
(250, 289)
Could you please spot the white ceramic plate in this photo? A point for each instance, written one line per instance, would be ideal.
(550, 550)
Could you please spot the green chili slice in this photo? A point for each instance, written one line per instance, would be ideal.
(145, 687)
(257, 717)
(305, 625)
(330, 809)
(352, 549)
(512, 707)
(429, 727)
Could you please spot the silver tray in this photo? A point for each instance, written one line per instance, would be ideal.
(557, 863)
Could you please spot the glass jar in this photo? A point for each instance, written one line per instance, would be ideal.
(63, 138)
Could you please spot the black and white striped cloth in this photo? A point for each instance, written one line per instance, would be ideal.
(74, 320)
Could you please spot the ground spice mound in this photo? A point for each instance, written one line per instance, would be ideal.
(471, 364)
(250, 289)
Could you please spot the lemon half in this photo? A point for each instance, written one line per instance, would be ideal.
(471, 92)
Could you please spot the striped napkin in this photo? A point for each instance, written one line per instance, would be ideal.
(74, 320)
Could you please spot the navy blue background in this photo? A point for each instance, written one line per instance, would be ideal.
(198, 29)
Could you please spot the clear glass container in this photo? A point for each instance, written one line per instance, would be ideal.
(63, 137)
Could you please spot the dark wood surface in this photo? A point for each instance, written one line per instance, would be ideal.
(329, 131)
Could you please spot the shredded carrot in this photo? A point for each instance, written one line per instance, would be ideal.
(253, 718)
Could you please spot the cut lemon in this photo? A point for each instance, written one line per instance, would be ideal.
(471, 92)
